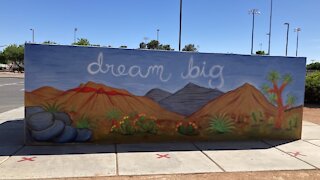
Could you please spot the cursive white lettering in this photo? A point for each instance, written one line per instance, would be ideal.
(215, 72)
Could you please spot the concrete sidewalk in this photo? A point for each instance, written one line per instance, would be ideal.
(11, 75)
(18, 161)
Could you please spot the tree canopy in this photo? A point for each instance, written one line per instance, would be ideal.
(189, 47)
(2, 58)
(314, 66)
(14, 53)
(49, 42)
(261, 53)
(154, 44)
(142, 45)
(82, 42)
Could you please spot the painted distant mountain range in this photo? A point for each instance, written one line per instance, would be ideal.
(157, 94)
(186, 100)
(192, 101)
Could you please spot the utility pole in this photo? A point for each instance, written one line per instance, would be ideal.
(253, 12)
(32, 34)
(288, 25)
(75, 35)
(180, 25)
(158, 34)
(271, 6)
(297, 30)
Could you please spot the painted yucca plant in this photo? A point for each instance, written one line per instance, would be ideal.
(52, 107)
(221, 124)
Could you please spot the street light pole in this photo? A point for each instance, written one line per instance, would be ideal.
(158, 34)
(32, 34)
(180, 25)
(288, 25)
(270, 28)
(74, 35)
(253, 12)
(297, 30)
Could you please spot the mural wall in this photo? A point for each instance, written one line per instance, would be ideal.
(106, 95)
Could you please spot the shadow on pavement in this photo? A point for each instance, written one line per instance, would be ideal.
(12, 141)
(316, 106)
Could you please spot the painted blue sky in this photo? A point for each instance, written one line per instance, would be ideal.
(65, 67)
(218, 26)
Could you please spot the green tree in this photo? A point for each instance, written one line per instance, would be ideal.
(2, 58)
(49, 42)
(153, 44)
(123, 46)
(312, 90)
(82, 42)
(15, 54)
(275, 94)
(165, 47)
(260, 53)
(189, 47)
(314, 66)
(142, 45)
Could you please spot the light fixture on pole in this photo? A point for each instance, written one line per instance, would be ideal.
(269, 34)
(75, 35)
(287, 41)
(180, 25)
(32, 34)
(253, 12)
(158, 34)
(297, 30)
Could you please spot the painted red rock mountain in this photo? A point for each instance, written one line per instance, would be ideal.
(238, 103)
(95, 100)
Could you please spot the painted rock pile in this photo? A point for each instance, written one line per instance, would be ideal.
(53, 127)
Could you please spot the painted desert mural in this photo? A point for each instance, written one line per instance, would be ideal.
(105, 95)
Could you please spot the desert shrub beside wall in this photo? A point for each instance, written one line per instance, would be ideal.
(312, 92)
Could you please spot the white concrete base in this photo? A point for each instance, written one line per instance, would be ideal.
(310, 132)
(251, 156)
(302, 150)
(144, 163)
(58, 166)
(315, 142)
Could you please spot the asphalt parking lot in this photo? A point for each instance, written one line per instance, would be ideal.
(11, 93)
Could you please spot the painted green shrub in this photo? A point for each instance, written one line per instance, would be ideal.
(293, 122)
(256, 117)
(221, 124)
(126, 127)
(135, 123)
(114, 114)
(83, 122)
(189, 129)
(146, 125)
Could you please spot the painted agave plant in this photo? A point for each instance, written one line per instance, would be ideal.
(221, 124)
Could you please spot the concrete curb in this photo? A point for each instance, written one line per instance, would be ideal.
(13, 114)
